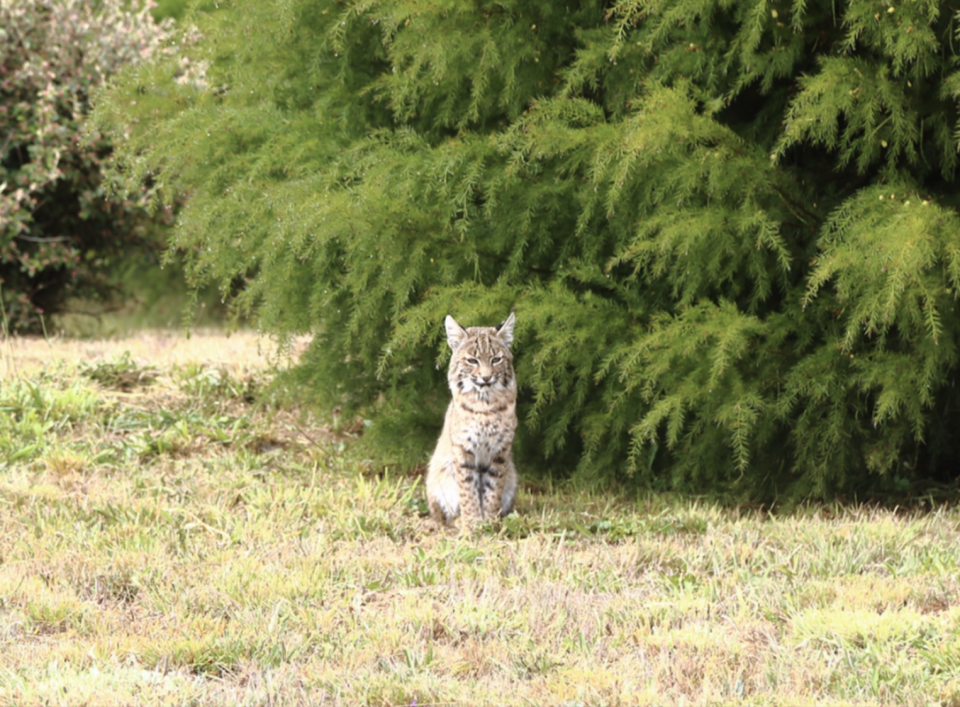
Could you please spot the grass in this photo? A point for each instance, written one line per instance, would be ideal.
(171, 535)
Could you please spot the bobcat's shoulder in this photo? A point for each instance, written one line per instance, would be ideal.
(471, 471)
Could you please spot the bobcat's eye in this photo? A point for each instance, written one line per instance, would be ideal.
(496, 360)
(472, 362)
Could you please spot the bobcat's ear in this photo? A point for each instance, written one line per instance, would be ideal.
(455, 333)
(505, 330)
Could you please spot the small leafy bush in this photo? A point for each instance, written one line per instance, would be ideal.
(61, 228)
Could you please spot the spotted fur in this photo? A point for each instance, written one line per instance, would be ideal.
(471, 471)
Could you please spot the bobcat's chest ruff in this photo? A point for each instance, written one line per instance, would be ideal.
(484, 428)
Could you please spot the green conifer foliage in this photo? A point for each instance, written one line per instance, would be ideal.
(729, 230)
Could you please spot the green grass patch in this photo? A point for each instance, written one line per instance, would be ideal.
(123, 372)
(180, 538)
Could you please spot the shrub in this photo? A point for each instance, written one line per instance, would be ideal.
(728, 229)
(61, 228)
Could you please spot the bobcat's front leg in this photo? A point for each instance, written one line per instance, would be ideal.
(468, 484)
(492, 480)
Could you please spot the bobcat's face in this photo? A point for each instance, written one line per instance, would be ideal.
(481, 363)
(483, 369)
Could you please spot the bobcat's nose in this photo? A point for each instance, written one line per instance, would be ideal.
(486, 379)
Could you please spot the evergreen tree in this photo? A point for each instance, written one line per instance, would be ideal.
(729, 230)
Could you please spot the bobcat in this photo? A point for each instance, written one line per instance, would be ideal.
(471, 471)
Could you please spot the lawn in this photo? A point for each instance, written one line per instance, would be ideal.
(173, 532)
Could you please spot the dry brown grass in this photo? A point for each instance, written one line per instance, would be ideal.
(240, 352)
(169, 536)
